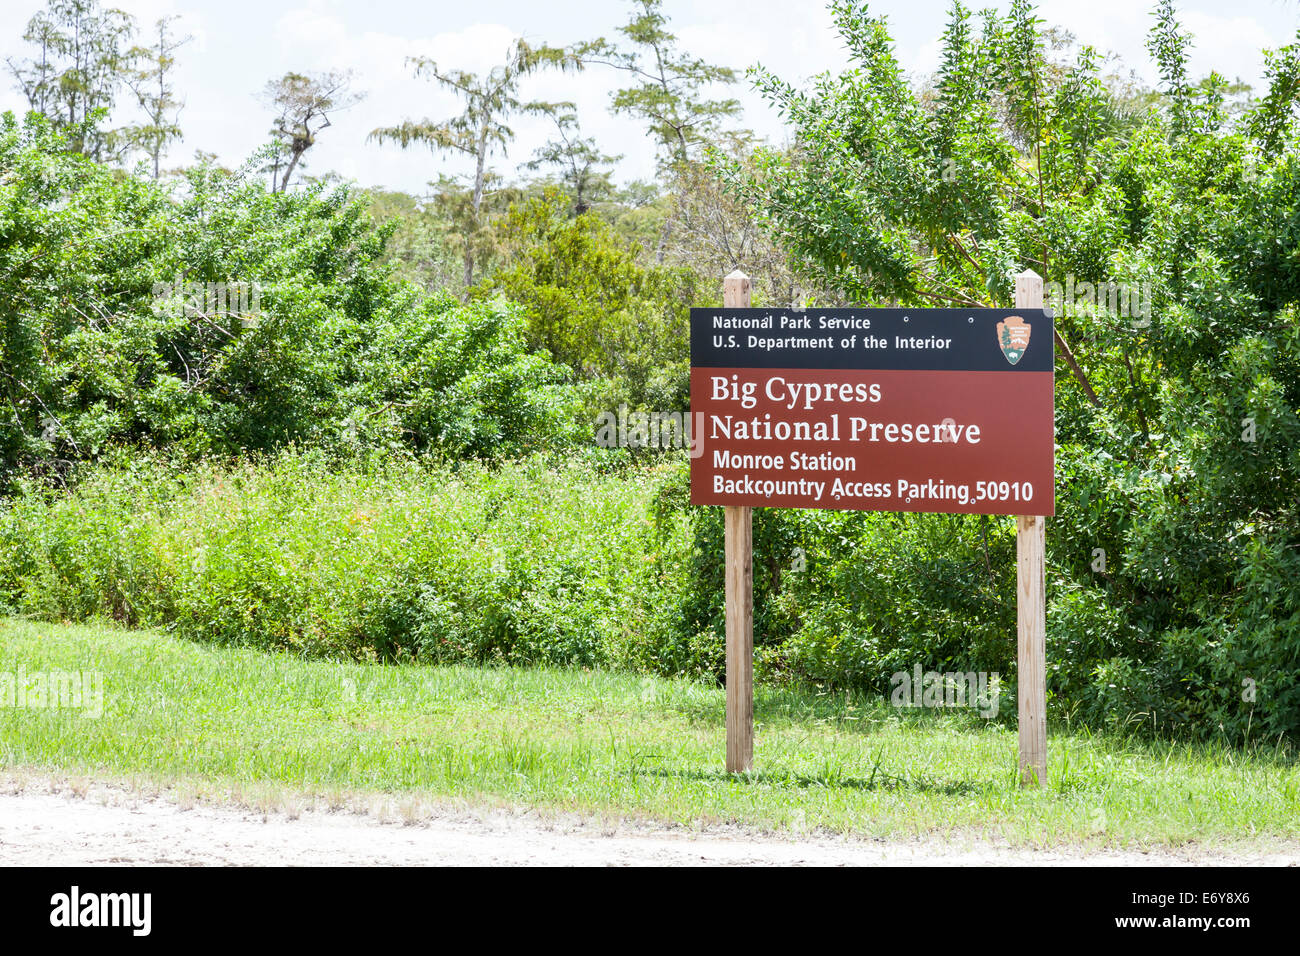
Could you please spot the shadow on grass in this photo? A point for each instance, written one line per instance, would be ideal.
(865, 716)
(877, 781)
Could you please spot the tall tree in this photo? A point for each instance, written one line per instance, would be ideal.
(150, 81)
(304, 102)
(81, 62)
(579, 161)
(481, 130)
(669, 86)
(715, 231)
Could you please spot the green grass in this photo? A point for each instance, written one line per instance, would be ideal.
(178, 713)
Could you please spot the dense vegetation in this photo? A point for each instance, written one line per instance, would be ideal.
(393, 561)
(391, 456)
(113, 333)
(1177, 421)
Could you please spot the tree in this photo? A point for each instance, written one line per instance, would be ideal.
(887, 197)
(463, 226)
(304, 102)
(592, 306)
(481, 130)
(715, 232)
(668, 92)
(578, 159)
(224, 317)
(151, 84)
(82, 61)
(1177, 425)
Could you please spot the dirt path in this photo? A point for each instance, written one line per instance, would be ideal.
(109, 825)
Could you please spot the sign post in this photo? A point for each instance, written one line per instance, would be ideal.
(738, 520)
(1031, 608)
(914, 410)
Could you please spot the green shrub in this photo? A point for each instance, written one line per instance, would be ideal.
(591, 305)
(300, 333)
(388, 561)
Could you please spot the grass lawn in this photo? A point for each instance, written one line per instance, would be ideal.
(224, 721)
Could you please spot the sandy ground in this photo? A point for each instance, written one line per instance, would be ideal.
(95, 824)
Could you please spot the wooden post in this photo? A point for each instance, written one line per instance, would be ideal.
(1031, 608)
(740, 597)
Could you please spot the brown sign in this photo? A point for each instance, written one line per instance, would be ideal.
(874, 409)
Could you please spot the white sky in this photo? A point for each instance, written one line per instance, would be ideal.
(240, 44)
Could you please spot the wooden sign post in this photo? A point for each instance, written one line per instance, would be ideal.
(738, 519)
(1031, 608)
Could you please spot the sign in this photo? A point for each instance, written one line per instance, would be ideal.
(939, 410)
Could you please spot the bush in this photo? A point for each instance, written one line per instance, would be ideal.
(325, 348)
(590, 305)
(387, 561)
(390, 559)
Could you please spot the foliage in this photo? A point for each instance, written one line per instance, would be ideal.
(151, 82)
(385, 560)
(438, 376)
(220, 318)
(1174, 596)
(593, 307)
(577, 158)
(81, 60)
(669, 84)
(846, 599)
(481, 130)
(1178, 436)
(421, 247)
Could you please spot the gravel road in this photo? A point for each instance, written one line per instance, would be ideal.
(111, 825)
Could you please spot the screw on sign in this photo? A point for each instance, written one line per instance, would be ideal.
(917, 410)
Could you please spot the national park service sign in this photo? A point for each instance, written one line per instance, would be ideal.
(940, 410)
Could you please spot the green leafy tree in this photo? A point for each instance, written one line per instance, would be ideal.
(592, 306)
(226, 318)
(436, 375)
(669, 86)
(955, 193)
(1177, 422)
(481, 131)
(82, 59)
(151, 82)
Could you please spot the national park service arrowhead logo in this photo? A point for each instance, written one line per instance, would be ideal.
(1013, 337)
